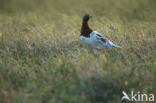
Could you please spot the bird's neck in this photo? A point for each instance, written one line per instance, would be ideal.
(85, 29)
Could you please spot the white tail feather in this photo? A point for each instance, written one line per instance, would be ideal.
(116, 46)
(113, 45)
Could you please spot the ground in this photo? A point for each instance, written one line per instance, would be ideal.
(42, 59)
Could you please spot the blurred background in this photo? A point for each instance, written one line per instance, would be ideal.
(43, 61)
(122, 9)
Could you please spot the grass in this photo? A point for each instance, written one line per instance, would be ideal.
(42, 59)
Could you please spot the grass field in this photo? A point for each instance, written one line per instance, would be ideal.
(42, 59)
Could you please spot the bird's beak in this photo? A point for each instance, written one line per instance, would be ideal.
(90, 16)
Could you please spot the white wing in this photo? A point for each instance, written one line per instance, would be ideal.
(99, 41)
(96, 40)
(98, 37)
(102, 41)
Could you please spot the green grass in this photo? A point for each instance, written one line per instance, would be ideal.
(42, 59)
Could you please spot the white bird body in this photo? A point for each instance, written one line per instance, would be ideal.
(97, 41)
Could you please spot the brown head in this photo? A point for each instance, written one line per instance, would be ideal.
(85, 29)
(86, 17)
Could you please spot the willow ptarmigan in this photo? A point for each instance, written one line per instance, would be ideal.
(93, 38)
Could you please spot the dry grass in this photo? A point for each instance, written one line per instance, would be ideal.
(42, 59)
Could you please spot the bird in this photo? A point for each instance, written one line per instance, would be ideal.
(93, 38)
